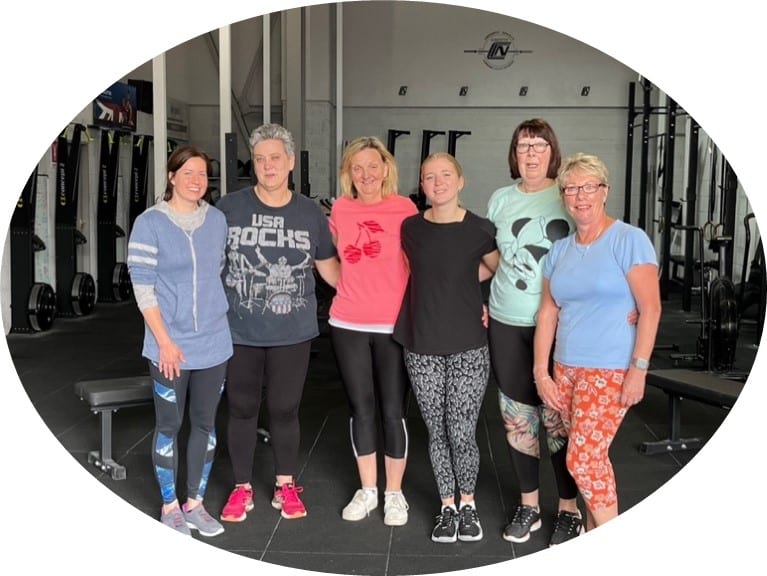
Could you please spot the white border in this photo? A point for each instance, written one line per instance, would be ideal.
(56, 516)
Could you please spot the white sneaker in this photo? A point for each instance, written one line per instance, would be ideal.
(395, 509)
(360, 506)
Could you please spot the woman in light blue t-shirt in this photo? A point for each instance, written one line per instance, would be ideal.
(592, 280)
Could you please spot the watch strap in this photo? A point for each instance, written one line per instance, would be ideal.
(641, 363)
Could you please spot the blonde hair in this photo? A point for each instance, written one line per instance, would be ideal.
(587, 163)
(390, 183)
(445, 156)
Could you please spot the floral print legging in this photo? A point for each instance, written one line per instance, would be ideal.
(592, 416)
(449, 391)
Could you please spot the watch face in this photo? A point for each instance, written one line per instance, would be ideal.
(641, 364)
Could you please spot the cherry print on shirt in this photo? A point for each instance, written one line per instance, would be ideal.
(370, 246)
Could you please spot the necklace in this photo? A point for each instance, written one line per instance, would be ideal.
(583, 247)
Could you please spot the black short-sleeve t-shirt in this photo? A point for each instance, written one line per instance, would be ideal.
(442, 309)
(268, 277)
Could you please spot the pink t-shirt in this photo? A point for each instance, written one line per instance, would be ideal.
(374, 272)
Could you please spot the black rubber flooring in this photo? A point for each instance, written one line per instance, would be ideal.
(107, 342)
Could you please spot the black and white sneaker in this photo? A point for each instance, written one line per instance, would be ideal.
(526, 519)
(567, 526)
(469, 528)
(445, 527)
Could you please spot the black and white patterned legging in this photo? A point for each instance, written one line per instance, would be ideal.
(449, 390)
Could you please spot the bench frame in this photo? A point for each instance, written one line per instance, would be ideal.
(107, 396)
(102, 458)
(704, 392)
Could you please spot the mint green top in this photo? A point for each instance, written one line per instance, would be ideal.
(527, 224)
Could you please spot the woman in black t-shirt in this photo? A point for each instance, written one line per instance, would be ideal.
(441, 329)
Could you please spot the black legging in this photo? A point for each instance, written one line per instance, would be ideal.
(204, 389)
(373, 372)
(281, 372)
(511, 356)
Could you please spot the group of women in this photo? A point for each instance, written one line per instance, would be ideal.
(567, 331)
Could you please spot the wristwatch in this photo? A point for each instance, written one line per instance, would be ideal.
(640, 363)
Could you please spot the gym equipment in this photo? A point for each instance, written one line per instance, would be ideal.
(139, 177)
(114, 284)
(33, 304)
(753, 286)
(105, 397)
(306, 186)
(75, 291)
(644, 157)
(665, 174)
(716, 344)
(452, 136)
(419, 198)
(686, 259)
(692, 385)
(727, 212)
(236, 178)
(391, 138)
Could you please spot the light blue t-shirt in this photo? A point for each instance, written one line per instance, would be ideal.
(589, 285)
(527, 225)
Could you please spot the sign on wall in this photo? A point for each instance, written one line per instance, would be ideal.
(115, 107)
(498, 50)
(178, 119)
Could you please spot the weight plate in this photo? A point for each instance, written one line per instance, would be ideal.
(121, 283)
(83, 294)
(724, 324)
(41, 307)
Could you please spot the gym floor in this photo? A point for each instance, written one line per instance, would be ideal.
(107, 344)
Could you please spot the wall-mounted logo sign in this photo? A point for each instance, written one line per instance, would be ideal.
(498, 51)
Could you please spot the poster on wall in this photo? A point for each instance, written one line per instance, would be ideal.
(178, 119)
(116, 107)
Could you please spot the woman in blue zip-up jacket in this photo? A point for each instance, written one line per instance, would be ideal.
(175, 257)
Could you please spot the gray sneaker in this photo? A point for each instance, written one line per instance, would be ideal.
(526, 520)
(198, 519)
(175, 519)
(567, 526)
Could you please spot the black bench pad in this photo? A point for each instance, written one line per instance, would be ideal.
(108, 393)
(695, 385)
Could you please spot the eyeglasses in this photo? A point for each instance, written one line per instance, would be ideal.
(587, 188)
(539, 147)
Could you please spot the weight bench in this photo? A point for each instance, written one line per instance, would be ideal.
(104, 397)
(705, 387)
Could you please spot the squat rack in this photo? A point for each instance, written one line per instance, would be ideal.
(667, 153)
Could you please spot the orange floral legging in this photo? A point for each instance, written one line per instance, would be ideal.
(592, 416)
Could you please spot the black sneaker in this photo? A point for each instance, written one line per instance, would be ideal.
(445, 528)
(469, 528)
(567, 526)
(526, 519)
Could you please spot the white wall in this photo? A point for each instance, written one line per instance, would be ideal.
(423, 46)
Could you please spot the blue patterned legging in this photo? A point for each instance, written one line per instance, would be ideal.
(204, 388)
(449, 391)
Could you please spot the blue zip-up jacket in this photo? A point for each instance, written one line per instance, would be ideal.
(184, 267)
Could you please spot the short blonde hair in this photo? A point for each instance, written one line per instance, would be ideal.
(587, 163)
